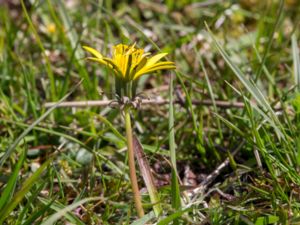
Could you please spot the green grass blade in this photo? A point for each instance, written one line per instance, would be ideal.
(74, 46)
(271, 38)
(56, 216)
(13, 146)
(18, 197)
(175, 192)
(29, 94)
(11, 184)
(173, 217)
(296, 61)
(111, 127)
(48, 131)
(251, 87)
(31, 197)
(57, 207)
(41, 46)
(210, 90)
(39, 213)
(198, 129)
(230, 125)
(145, 219)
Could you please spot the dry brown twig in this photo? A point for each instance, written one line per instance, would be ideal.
(212, 176)
(156, 101)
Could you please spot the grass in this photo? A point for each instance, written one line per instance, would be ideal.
(69, 165)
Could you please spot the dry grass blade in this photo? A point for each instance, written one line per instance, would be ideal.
(147, 175)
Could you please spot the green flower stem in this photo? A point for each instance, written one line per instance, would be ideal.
(131, 164)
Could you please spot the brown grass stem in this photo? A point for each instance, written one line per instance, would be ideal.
(131, 164)
(156, 101)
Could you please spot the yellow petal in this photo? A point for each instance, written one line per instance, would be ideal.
(131, 49)
(128, 67)
(97, 60)
(146, 68)
(138, 67)
(120, 49)
(107, 62)
(93, 51)
(155, 59)
(113, 65)
(158, 66)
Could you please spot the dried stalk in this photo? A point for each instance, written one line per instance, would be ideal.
(157, 101)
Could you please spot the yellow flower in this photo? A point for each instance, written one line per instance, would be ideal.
(51, 28)
(129, 62)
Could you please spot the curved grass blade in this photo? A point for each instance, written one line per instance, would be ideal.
(41, 46)
(296, 61)
(145, 219)
(270, 42)
(251, 87)
(175, 192)
(33, 217)
(30, 198)
(11, 184)
(56, 216)
(173, 216)
(57, 206)
(18, 197)
(12, 147)
(210, 89)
